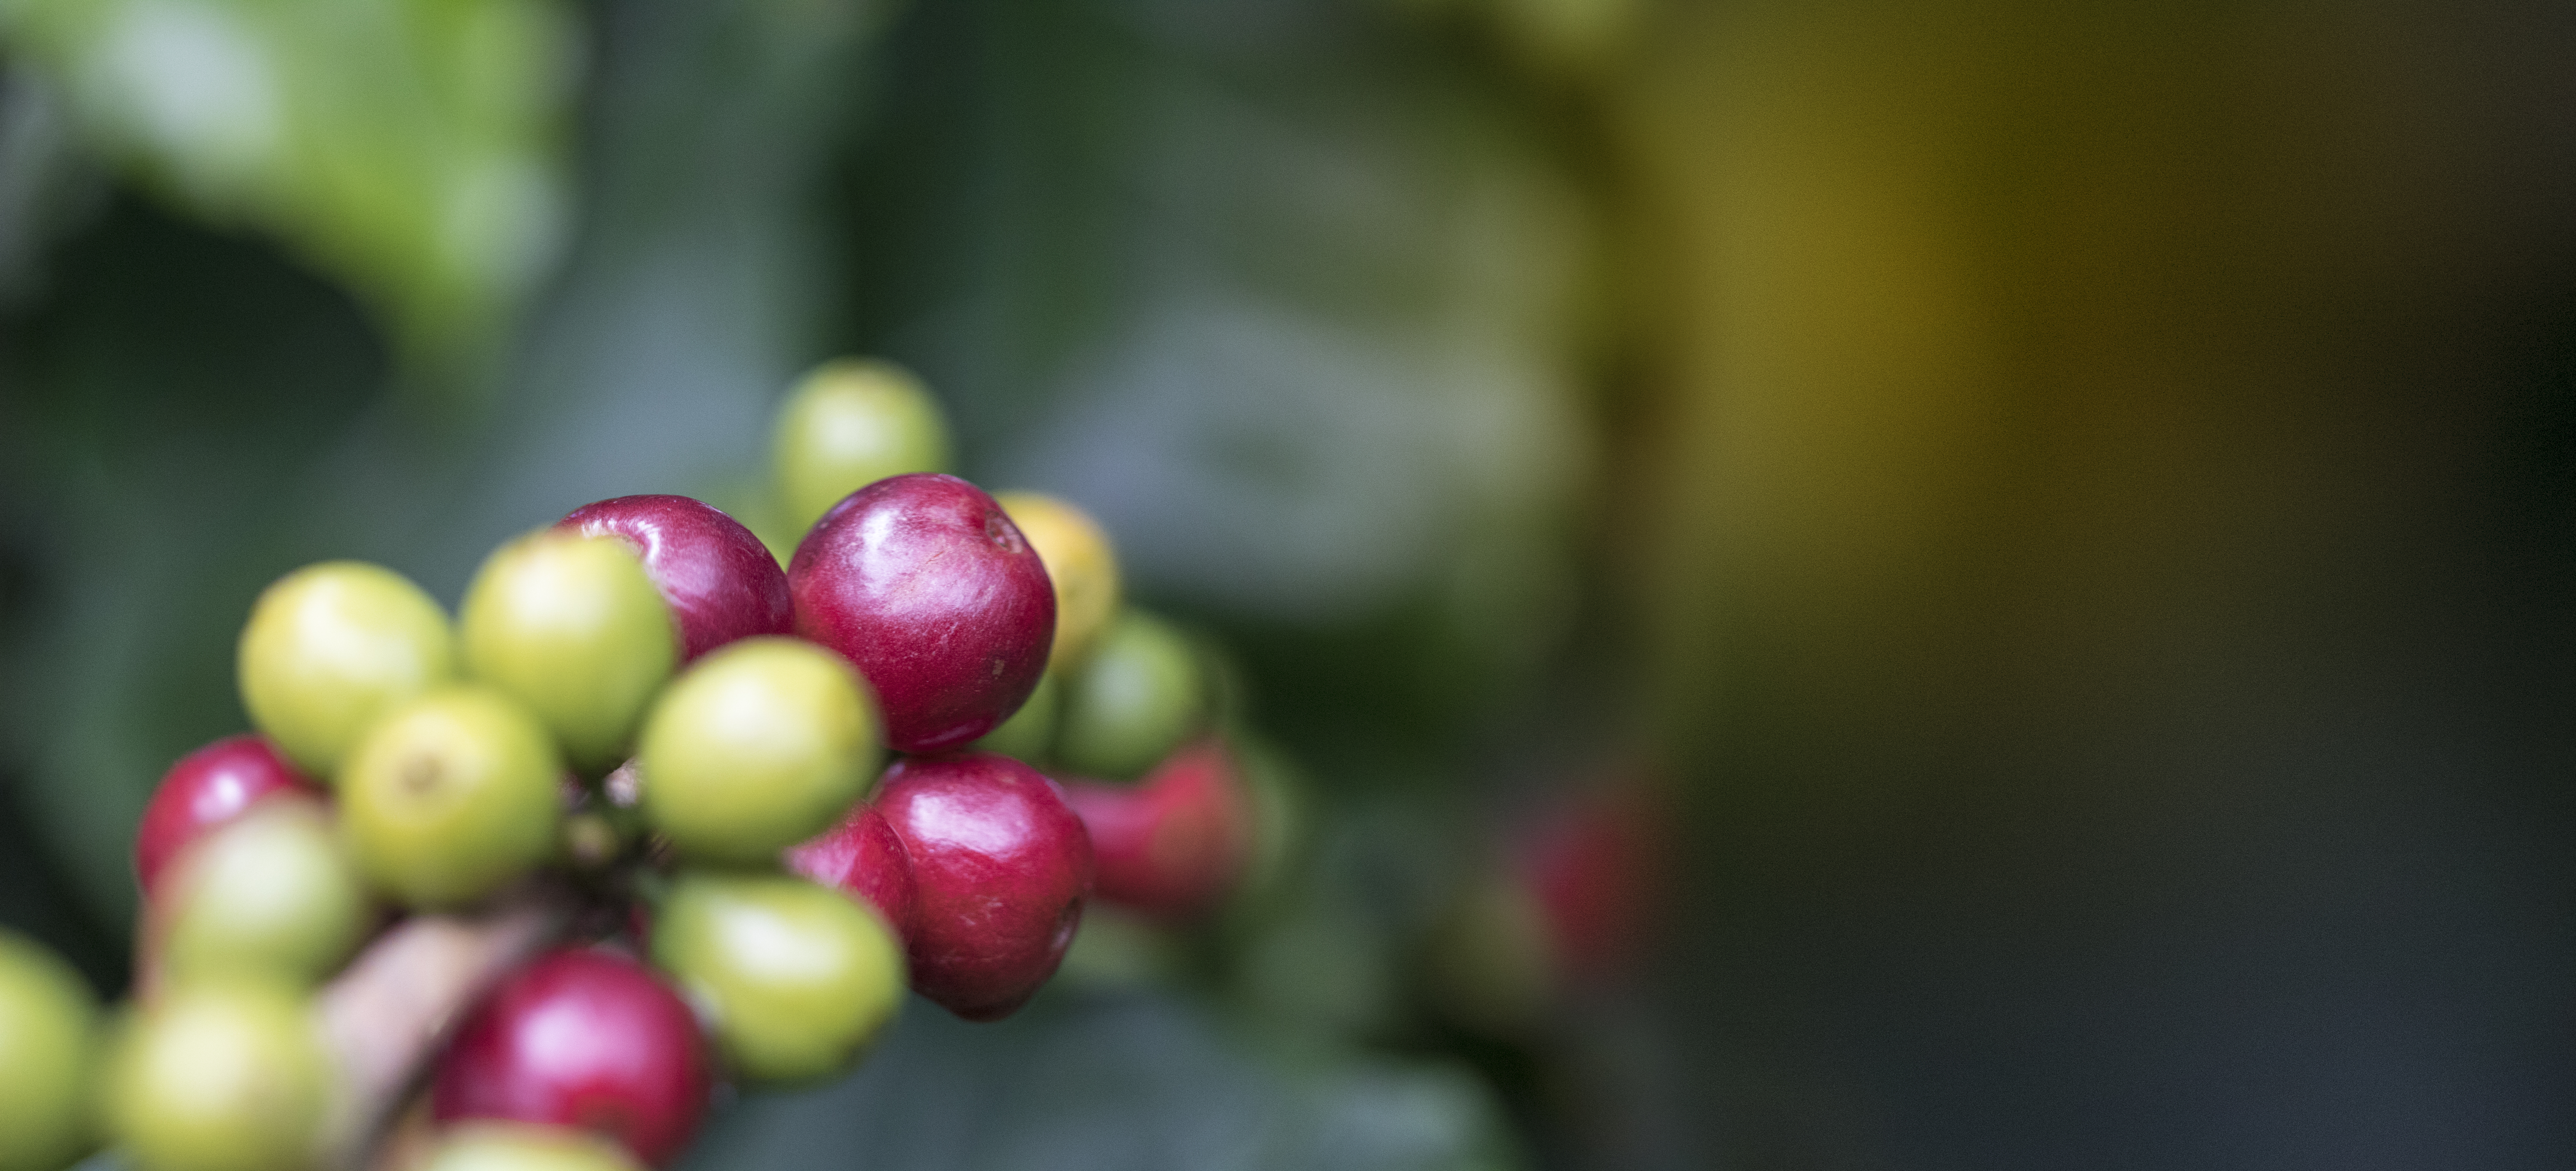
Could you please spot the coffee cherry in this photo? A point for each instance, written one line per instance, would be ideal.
(502, 1146)
(1000, 866)
(273, 894)
(48, 1038)
(451, 796)
(1080, 563)
(719, 581)
(926, 585)
(328, 648)
(862, 857)
(794, 980)
(1134, 702)
(1029, 735)
(585, 1039)
(572, 627)
(847, 425)
(1174, 845)
(758, 746)
(219, 1076)
(207, 788)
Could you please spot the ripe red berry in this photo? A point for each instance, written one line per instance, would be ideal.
(1173, 845)
(207, 788)
(718, 579)
(1000, 866)
(924, 583)
(862, 856)
(584, 1039)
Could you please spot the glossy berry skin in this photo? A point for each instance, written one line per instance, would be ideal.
(207, 788)
(718, 579)
(1079, 561)
(795, 980)
(272, 893)
(48, 1047)
(451, 797)
(756, 747)
(1000, 866)
(329, 648)
(1133, 702)
(1174, 845)
(219, 1076)
(583, 1039)
(502, 1146)
(572, 627)
(848, 424)
(926, 585)
(862, 856)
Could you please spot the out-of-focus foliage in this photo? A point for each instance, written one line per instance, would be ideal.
(411, 148)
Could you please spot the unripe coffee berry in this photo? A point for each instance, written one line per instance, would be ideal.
(451, 796)
(501, 1146)
(926, 585)
(219, 1076)
(572, 627)
(1133, 702)
(1029, 735)
(794, 980)
(273, 894)
(847, 425)
(48, 1042)
(719, 581)
(1080, 563)
(329, 648)
(207, 788)
(584, 1039)
(756, 747)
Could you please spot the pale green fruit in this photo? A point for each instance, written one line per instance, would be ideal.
(1029, 735)
(795, 980)
(1134, 701)
(451, 797)
(849, 424)
(572, 627)
(225, 1075)
(49, 1038)
(509, 1146)
(272, 893)
(761, 744)
(329, 648)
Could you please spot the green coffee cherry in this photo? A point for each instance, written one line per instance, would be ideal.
(328, 648)
(572, 627)
(1029, 734)
(451, 796)
(1078, 561)
(1133, 702)
(506, 1146)
(762, 744)
(273, 894)
(48, 1040)
(847, 425)
(219, 1076)
(795, 980)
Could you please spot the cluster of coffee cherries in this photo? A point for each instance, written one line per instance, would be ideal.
(641, 783)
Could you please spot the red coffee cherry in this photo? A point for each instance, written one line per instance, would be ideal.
(924, 583)
(1174, 844)
(207, 788)
(862, 856)
(718, 579)
(584, 1039)
(1000, 866)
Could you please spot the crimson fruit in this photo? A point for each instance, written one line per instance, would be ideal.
(719, 581)
(925, 584)
(1000, 866)
(584, 1039)
(862, 857)
(1174, 845)
(205, 789)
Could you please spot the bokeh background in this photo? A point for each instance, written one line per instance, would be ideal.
(2028, 546)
